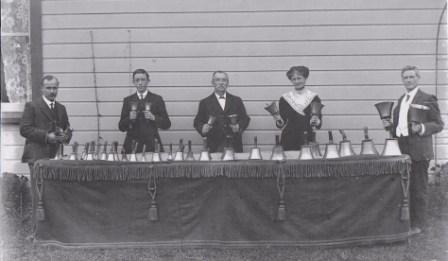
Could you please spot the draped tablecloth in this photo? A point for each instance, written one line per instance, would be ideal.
(353, 200)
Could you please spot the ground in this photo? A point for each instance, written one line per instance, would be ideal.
(432, 245)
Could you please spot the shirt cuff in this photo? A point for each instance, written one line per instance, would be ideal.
(422, 131)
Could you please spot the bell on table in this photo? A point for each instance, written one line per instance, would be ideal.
(74, 155)
(156, 155)
(277, 152)
(255, 153)
(97, 155)
(113, 153)
(103, 155)
(367, 145)
(133, 156)
(91, 153)
(315, 150)
(180, 153)
(85, 151)
(124, 156)
(305, 150)
(170, 153)
(275, 112)
(59, 152)
(345, 146)
(190, 156)
(391, 148)
(331, 149)
(205, 155)
(144, 157)
(229, 153)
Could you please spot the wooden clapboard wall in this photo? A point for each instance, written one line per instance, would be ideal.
(355, 50)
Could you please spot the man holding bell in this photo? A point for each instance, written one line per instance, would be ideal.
(142, 114)
(221, 117)
(415, 119)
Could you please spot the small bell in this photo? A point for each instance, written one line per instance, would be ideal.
(170, 153)
(205, 155)
(74, 155)
(277, 152)
(305, 151)
(60, 152)
(255, 153)
(367, 145)
(180, 153)
(190, 156)
(345, 146)
(91, 153)
(156, 155)
(331, 149)
(103, 155)
(391, 148)
(133, 156)
(113, 153)
(124, 156)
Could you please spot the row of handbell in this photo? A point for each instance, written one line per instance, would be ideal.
(308, 151)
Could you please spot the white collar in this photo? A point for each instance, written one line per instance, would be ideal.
(412, 94)
(217, 95)
(48, 102)
(143, 94)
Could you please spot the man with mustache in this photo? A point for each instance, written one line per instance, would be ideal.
(221, 116)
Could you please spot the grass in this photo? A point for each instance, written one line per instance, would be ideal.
(432, 245)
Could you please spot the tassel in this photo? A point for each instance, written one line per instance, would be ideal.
(281, 213)
(153, 211)
(40, 212)
(404, 215)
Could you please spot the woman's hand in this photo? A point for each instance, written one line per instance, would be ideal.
(314, 121)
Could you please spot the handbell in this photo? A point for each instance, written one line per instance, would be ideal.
(277, 152)
(205, 155)
(345, 146)
(417, 113)
(211, 120)
(385, 109)
(306, 153)
(113, 153)
(316, 108)
(315, 150)
(180, 153)
(85, 152)
(74, 155)
(391, 148)
(90, 154)
(59, 152)
(255, 153)
(275, 112)
(331, 149)
(233, 119)
(228, 154)
(170, 153)
(156, 155)
(190, 156)
(103, 155)
(367, 145)
(133, 157)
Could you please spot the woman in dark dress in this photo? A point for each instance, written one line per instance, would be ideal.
(295, 110)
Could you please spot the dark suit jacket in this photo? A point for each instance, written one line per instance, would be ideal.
(37, 121)
(419, 147)
(142, 130)
(216, 137)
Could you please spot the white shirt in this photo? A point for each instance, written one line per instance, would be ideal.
(48, 102)
(402, 127)
(142, 96)
(222, 102)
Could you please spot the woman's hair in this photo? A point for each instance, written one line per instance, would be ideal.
(302, 70)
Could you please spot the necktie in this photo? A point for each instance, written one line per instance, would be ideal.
(407, 97)
(52, 106)
(222, 97)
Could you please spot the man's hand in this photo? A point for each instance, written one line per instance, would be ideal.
(54, 138)
(314, 121)
(149, 115)
(206, 128)
(387, 123)
(416, 127)
(235, 128)
(133, 115)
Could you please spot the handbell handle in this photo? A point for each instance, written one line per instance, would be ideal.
(344, 136)
(181, 145)
(255, 141)
(305, 134)
(366, 133)
(105, 147)
(189, 145)
(277, 140)
(330, 136)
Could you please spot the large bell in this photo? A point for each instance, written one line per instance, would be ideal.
(205, 155)
(367, 145)
(417, 113)
(74, 155)
(391, 148)
(190, 156)
(316, 108)
(229, 154)
(255, 153)
(331, 149)
(275, 112)
(385, 109)
(277, 152)
(306, 153)
(345, 146)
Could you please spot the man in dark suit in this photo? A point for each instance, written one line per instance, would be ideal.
(415, 139)
(44, 124)
(142, 114)
(228, 112)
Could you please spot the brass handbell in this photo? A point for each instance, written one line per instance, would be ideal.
(124, 156)
(211, 120)
(345, 146)
(144, 156)
(103, 155)
(74, 155)
(85, 151)
(91, 153)
(277, 152)
(233, 118)
(331, 149)
(275, 112)
(367, 146)
(113, 153)
(170, 153)
(306, 150)
(180, 153)
(255, 153)
(385, 109)
(190, 156)
(156, 155)
(133, 157)
(205, 155)
(60, 152)
(391, 147)
(229, 153)
(98, 151)
(316, 108)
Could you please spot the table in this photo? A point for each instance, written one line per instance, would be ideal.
(345, 201)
